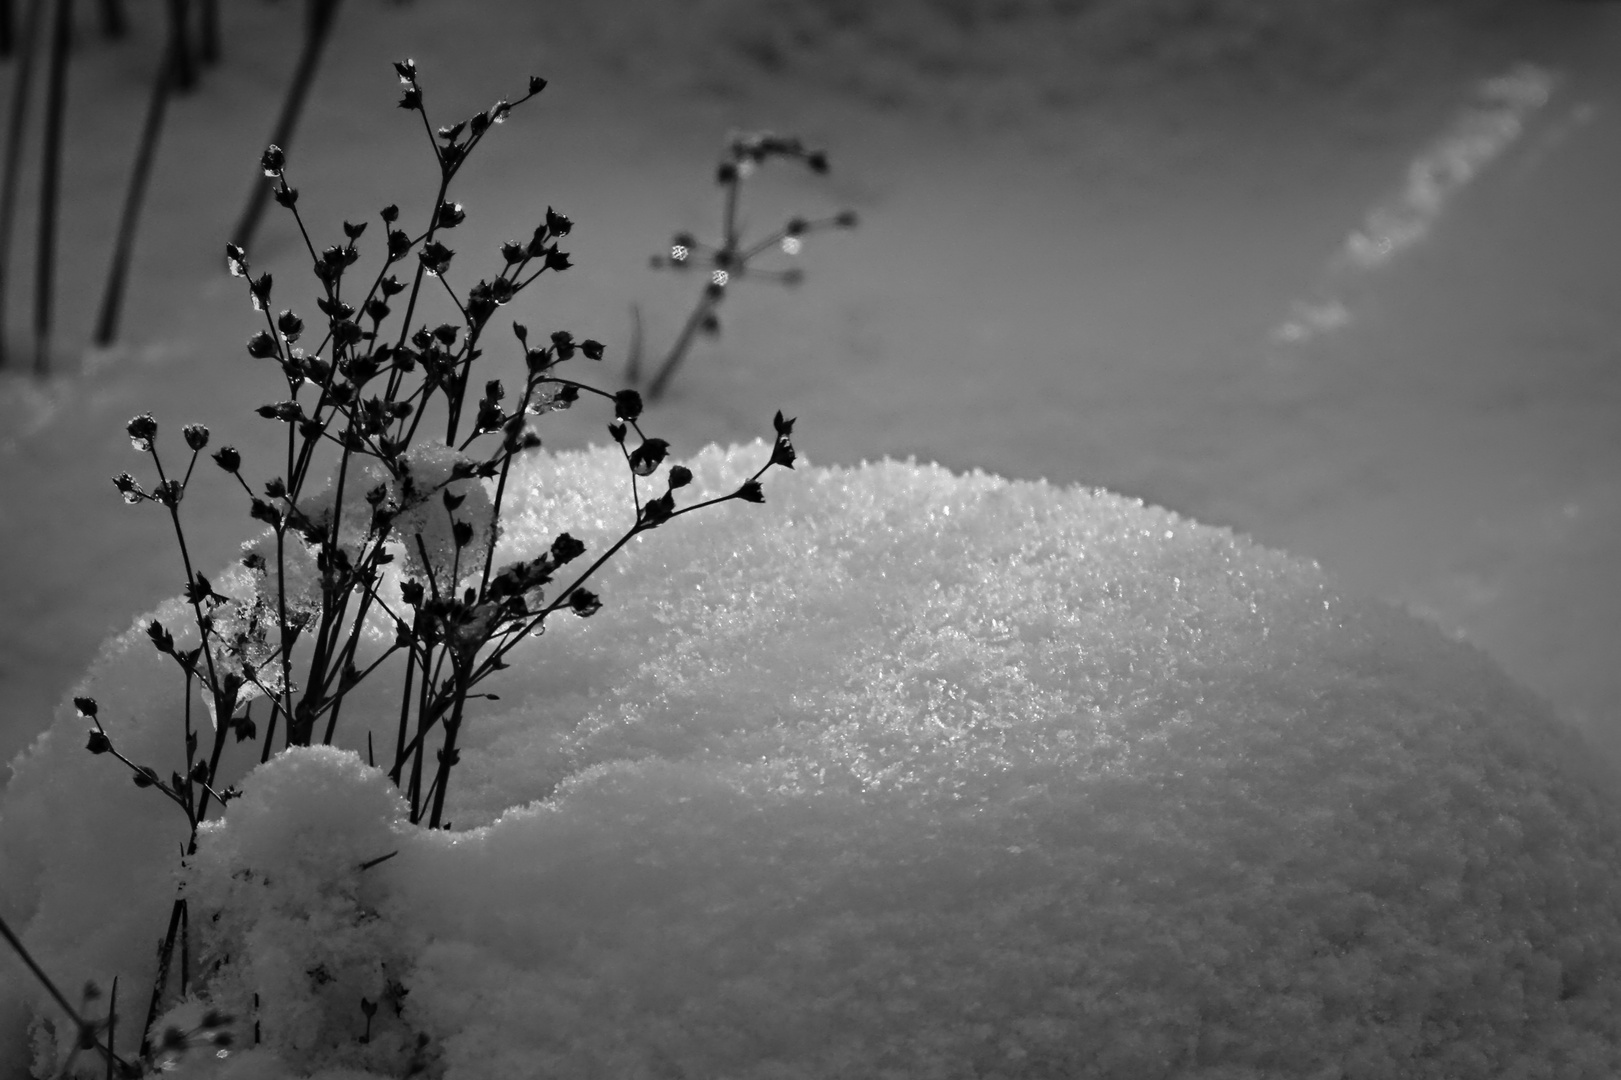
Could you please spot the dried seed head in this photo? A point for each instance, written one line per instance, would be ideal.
(128, 488)
(648, 456)
(262, 346)
(290, 326)
(450, 215)
(627, 405)
(142, 430)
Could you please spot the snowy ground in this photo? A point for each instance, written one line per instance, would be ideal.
(1084, 291)
(904, 774)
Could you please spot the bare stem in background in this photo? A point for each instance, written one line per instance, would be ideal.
(50, 186)
(112, 301)
(185, 67)
(208, 32)
(683, 342)
(16, 127)
(114, 23)
(318, 27)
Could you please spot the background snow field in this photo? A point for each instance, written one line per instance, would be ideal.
(903, 774)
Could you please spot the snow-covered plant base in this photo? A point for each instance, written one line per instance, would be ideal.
(904, 774)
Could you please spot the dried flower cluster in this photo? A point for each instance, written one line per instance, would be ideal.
(371, 480)
(729, 260)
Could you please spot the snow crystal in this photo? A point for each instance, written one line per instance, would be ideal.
(902, 774)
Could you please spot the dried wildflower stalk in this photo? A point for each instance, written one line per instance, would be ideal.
(729, 260)
(401, 491)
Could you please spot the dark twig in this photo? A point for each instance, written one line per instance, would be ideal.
(16, 126)
(729, 260)
(177, 914)
(114, 23)
(318, 27)
(163, 82)
(700, 316)
(208, 32)
(50, 185)
(633, 351)
(184, 63)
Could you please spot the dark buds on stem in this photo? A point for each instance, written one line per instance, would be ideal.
(627, 405)
(290, 326)
(262, 346)
(436, 258)
(160, 637)
(648, 456)
(143, 430)
(127, 486)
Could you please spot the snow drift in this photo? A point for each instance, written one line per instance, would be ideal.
(903, 774)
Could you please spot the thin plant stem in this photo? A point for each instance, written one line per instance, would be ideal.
(161, 979)
(114, 24)
(112, 1026)
(633, 351)
(50, 185)
(112, 300)
(678, 352)
(447, 753)
(39, 973)
(185, 64)
(405, 714)
(208, 32)
(16, 127)
(81, 1026)
(196, 604)
(322, 14)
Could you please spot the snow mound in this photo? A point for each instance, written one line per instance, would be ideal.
(903, 774)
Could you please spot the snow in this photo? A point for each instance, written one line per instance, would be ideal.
(1083, 292)
(1253, 838)
(904, 773)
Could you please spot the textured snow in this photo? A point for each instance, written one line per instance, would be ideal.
(903, 774)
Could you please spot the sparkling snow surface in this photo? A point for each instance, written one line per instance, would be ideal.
(902, 774)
